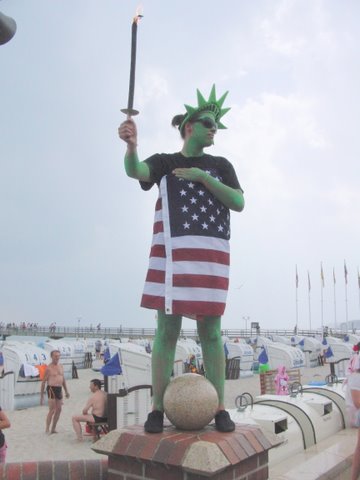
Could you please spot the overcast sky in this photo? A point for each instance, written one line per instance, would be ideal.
(75, 232)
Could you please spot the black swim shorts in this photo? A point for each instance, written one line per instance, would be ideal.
(54, 393)
(99, 419)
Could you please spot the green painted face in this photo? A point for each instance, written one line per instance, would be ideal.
(204, 128)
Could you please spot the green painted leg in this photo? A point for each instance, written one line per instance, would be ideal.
(163, 355)
(213, 353)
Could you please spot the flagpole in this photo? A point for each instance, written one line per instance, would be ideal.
(309, 288)
(322, 296)
(335, 324)
(322, 309)
(346, 309)
(296, 297)
(346, 299)
(359, 285)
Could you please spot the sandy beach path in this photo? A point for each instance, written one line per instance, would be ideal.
(27, 440)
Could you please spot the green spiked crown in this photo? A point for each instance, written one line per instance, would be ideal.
(210, 105)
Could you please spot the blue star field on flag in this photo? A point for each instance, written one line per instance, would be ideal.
(196, 210)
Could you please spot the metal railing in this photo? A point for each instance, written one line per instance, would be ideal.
(120, 332)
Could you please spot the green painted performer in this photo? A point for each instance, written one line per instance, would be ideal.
(188, 272)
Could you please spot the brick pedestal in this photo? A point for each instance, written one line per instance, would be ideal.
(179, 455)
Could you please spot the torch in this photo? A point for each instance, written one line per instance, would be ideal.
(129, 111)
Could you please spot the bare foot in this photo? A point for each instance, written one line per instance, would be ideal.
(53, 431)
(80, 439)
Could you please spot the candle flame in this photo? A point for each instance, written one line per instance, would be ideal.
(138, 14)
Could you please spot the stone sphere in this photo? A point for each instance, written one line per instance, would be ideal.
(190, 401)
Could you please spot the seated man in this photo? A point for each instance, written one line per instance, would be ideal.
(97, 404)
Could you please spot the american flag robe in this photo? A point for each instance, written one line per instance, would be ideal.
(189, 262)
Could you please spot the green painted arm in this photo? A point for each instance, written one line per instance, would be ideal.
(230, 197)
(133, 167)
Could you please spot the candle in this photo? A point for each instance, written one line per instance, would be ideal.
(132, 64)
(130, 110)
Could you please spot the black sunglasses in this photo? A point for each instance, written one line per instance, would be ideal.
(206, 122)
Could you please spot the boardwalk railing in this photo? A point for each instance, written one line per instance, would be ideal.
(121, 332)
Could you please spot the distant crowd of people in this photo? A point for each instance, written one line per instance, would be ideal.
(20, 326)
(35, 326)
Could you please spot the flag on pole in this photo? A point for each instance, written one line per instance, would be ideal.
(345, 272)
(309, 284)
(296, 277)
(322, 276)
(334, 276)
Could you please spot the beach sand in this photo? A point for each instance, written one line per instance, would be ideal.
(27, 440)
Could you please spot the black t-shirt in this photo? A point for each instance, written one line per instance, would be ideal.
(162, 164)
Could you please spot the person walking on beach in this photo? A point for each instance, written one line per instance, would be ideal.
(4, 423)
(97, 403)
(98, 345)
(55, 380)
(188, 273)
